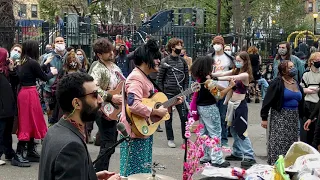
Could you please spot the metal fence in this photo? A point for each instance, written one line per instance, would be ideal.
(197, 41)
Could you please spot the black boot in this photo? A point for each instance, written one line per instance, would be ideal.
(18, 159)
(32, 154)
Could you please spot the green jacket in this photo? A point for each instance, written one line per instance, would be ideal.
(299, 64)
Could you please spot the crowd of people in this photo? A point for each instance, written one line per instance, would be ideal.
(73, 89)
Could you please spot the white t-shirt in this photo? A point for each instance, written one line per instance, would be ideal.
(222, 63)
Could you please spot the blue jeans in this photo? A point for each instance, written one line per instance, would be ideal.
(264, 86)
(210, 118)
(223, 111)
(241, 148)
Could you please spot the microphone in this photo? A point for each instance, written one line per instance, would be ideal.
(169, 66)
(121, 127)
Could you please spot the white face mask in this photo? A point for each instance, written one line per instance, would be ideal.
(217, 47)
(60, 47)
(228, 52)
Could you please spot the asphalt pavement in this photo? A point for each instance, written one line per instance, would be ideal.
(171, 158)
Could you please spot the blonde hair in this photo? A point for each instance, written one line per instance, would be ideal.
(313, 57)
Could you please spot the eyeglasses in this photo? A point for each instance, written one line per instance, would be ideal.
(94, 93)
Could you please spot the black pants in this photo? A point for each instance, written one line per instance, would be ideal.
(307, 136)
(108, 137)
(6, 125)
(183, 118)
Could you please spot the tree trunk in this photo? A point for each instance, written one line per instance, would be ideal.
(7, 24)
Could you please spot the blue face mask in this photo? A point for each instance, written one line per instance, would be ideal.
(15, 55)
(80, 58)
(238, 64)
(293, 72)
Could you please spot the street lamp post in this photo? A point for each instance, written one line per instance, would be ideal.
(315, 16)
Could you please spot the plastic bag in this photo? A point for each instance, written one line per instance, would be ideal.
(279, 172)
(260, 171)
(296, 150)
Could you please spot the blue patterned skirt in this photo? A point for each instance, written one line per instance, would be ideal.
(134, 155)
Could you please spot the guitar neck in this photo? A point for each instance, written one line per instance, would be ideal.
(173, 100)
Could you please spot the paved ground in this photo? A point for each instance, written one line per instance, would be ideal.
(171, 158)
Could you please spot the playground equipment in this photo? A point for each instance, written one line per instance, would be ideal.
(178, 22)
(301, 35)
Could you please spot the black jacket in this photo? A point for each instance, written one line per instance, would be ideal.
(8, 107)
(166, 79)
(64, 155)
(274, 98)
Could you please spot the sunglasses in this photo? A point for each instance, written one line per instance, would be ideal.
(94, 93)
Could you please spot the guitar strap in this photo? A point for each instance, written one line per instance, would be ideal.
(154, 84)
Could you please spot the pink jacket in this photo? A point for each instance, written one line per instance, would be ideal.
(137, 86)
(193, 105)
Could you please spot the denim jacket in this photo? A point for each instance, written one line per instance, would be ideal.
(299, 64)
(56, 62)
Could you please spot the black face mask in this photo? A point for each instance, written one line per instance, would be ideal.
(316, 64)
(177, 51)
(88, 113)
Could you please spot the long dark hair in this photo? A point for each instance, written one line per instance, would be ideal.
(202, 67)
(246, 65)
(147, 53)
(278, 56)
(30, 49)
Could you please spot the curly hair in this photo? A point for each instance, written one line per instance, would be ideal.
(102, 45)
(70, 87)
(202, 66)
(246, 65)
(173, 42)
(71, 56)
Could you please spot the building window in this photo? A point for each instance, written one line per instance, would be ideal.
(34, 11)
(116, 16)
(318, 8)
(310, 7)
(23, 10)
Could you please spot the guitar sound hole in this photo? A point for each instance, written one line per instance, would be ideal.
(157, 105)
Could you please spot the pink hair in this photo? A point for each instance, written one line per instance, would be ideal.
(3, 61)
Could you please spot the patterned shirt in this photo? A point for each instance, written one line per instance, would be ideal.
(107, 79)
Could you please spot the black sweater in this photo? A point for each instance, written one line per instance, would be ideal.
(7, 96)
(166, 79)
(274, 99)
(30, 71)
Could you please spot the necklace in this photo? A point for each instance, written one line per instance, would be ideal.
(288, 82)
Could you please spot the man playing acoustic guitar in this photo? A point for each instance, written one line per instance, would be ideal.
(105, 73)
(136, 153)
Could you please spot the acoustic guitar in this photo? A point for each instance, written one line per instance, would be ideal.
(143, 127)
(110, 110)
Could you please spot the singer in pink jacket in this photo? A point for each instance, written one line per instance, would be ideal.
(136, 153)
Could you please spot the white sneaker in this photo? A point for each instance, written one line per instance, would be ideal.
(2, 162)
(171, 144)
